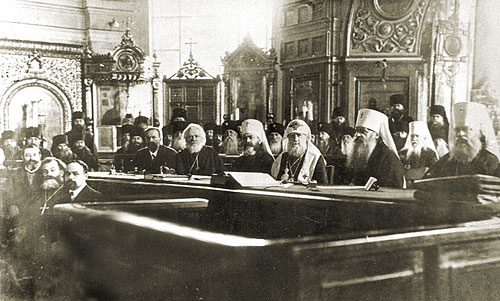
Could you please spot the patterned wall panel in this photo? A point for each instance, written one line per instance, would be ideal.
(386, 27)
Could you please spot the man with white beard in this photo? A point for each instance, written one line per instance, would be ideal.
(275, 132)
(419, 152)
(302, 162)
(196, 158)
(373, 152)
(257, 155)
(231, 143)
(473, 145)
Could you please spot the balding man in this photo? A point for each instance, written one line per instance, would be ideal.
(473, 145)
(302, 161)
(196, 158)
(257, 155)
(373, 152)
(154, 156)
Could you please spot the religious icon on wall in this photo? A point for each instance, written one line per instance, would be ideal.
(111, 100)
(306, 100)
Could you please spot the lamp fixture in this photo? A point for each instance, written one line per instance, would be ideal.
(113, 23)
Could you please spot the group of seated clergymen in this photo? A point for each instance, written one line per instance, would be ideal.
(390, 147)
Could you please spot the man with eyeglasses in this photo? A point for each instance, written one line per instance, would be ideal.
(473, 144)
(257, 155)
(372, 152)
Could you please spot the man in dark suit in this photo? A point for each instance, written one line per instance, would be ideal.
(155, 155)
(21, 185)
(75, 178)
(78, 129)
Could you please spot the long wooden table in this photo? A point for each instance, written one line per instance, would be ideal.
(278, 243)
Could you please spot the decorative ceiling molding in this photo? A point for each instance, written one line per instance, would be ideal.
(21, 47)
(386, 27)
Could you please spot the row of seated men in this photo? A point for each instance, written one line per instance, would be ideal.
(32, 190)
(356, 154)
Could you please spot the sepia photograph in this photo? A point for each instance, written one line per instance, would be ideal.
(249, 150)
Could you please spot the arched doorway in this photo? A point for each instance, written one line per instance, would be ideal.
(31, 101)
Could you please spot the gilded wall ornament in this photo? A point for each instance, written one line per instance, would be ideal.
(383, 26)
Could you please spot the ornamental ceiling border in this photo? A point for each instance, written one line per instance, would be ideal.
(46, 49)
(386, 27)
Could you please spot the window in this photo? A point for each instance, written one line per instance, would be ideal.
(176, 94)
(192, 94)
(304, 14)
(290, 50)
(208, 94)
(319, 45)
(303, 47)
(290, 17)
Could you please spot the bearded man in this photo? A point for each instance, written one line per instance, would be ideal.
(155, 156)
(61, 150)
(257, 155)
(124, 157)
(231, 144)
(9, 145)
(83, 153)
(34, 138)
(78, 129)
(473, 145)
(20, 187)
(197, 158)
(419, 152)
(209, 128)
(373, 152)
(302, 161)
(178, 141)
(275, 132)
(439, 129)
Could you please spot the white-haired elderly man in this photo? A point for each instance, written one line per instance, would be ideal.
(257, 155)
(302, 161)
(473, 145)
(196, 158)
(419, 152)
(373, 152)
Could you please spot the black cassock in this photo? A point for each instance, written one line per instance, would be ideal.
(383, 165)
(207, 162)
(260, 162)
(484, 163)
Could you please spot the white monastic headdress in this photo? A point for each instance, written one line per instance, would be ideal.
(420, 128)
(312, 155)
(474, 115)
(255, 127)
(379, 123)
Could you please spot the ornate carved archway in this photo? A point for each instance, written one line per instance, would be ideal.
(55, 89)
